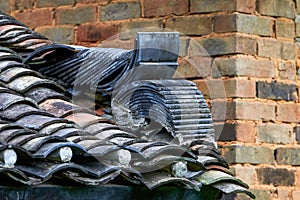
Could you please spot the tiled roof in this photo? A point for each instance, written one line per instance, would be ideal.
(46, 137)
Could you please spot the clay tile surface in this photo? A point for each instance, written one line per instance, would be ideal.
(152, 132)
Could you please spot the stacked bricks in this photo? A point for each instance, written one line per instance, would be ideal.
(242, 54)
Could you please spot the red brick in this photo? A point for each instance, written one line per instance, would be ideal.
(76, 15)
(246, 6)
(166, 7)
(35, 18)
(251, 110)
(235, 131)
(288, 112)
(285, 29)
(190, 25)
(240, 88)
(96, 33)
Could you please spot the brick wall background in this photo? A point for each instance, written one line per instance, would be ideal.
(243, 55)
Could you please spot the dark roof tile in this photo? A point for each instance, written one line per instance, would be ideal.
(19, 110)
(25, 83)
(40, 94)
(38, 122)
(61, 108)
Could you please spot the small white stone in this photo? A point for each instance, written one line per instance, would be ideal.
(65, 154)
(179, 169)
(9, 157)
(124, 157)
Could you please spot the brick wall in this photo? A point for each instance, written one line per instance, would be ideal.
(243, 55)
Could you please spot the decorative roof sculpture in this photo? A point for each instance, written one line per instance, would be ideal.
(154, 131)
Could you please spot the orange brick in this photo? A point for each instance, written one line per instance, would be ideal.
(255, 110)
(95, 33)
(166, 7)
(235, 131)
(240, 88)
(288, 112)
(35, 18)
